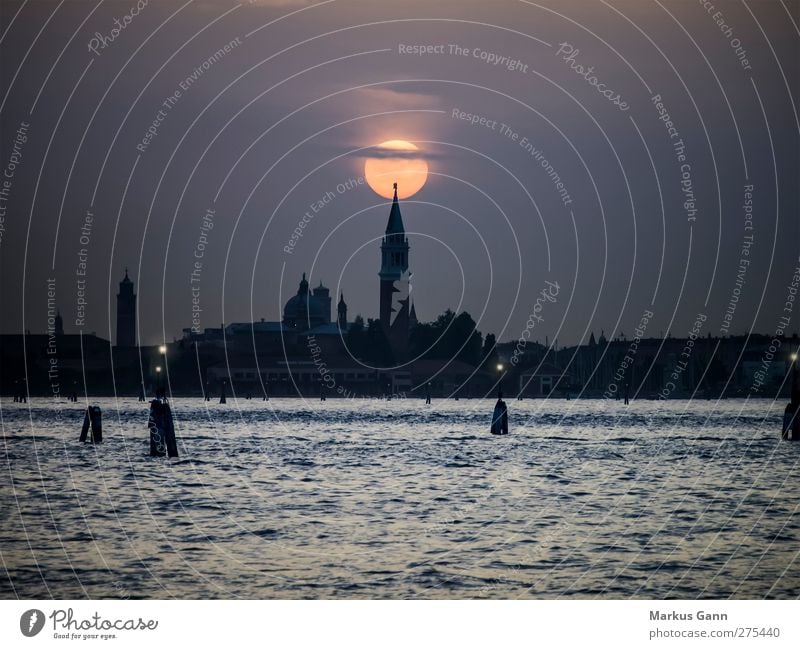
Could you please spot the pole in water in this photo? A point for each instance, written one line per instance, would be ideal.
(791, 416)
(499, 417)
(626, 394)
(428, 394)
(92, 418)
(162, 430)
(222, 398)
(795, 401)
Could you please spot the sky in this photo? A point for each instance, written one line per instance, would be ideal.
(626, 157)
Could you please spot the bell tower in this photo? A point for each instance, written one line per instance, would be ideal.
(395, 283)
(126, 313)
(341, 311)
(394, 267)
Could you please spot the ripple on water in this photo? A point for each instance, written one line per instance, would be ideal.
(380, 499)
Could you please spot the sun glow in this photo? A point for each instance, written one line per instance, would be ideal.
(386, 167)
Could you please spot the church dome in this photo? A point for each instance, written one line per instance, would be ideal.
(304, 311)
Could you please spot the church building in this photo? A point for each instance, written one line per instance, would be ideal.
(396, 310)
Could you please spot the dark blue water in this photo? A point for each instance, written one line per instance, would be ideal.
(395, 500)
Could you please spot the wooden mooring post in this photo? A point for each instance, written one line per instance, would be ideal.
(92, 418)
(162, 430)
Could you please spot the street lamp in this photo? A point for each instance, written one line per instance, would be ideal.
(162, 383)
(500, 369)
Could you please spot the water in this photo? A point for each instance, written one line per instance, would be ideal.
(370, 499)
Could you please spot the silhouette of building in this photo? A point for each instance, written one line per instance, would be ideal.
(341, 313)
(323, 296)
(307, 310)
(126, 313)
(283, 357)
(395, 283)
(543, 379)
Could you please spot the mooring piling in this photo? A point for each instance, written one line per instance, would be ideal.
(499, 416)
(92, 418)
(788, 419)
(162, 430)
(791, 415)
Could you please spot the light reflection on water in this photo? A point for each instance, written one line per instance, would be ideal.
(360, 498)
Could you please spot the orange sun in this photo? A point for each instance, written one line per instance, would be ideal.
(407, 170)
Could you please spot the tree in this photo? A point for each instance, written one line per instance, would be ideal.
(377, 348)
(369, 343)
(449, 336)
(464, 339)
(358, 325)
(489, 353)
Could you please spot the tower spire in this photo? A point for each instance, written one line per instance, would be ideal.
(395, 224)
(341, 312)
(126, 313)
(394, 277)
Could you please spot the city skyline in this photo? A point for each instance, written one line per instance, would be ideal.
(373, 300)
(640, 197)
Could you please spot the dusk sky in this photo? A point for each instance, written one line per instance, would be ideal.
(625, 184)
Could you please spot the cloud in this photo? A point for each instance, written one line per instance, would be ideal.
(398, 98)
(391, 153)
(281, 3)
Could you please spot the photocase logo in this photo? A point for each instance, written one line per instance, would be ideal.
(31, 622)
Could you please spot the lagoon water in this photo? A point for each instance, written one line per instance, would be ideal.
(374, 499)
